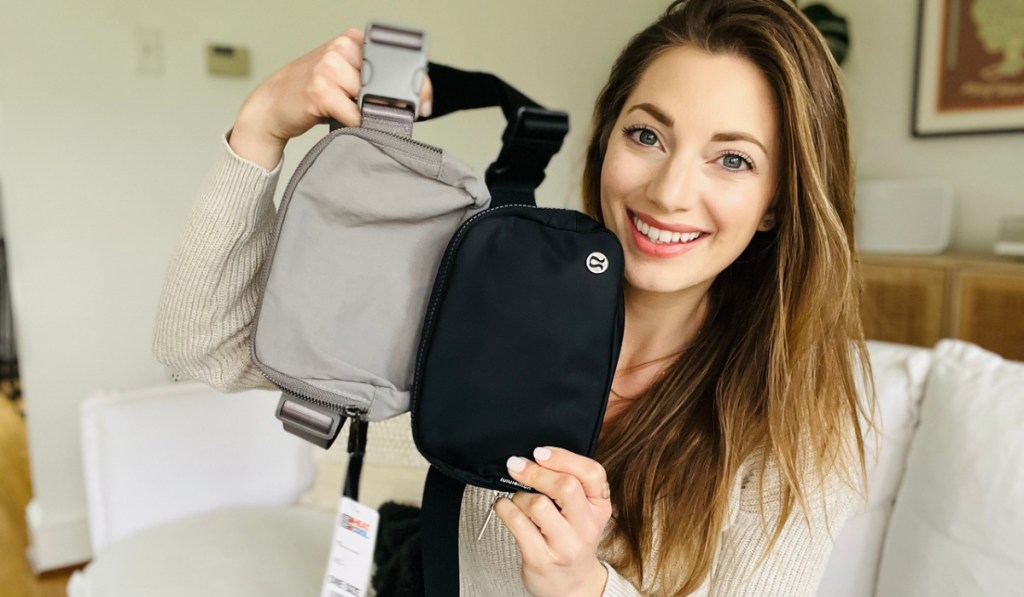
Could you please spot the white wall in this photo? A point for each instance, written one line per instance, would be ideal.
(986, 171)
(99, 165)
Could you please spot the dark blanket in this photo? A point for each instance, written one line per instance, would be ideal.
(397, 554)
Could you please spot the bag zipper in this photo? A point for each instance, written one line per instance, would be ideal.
(288, 387)
(490, 512)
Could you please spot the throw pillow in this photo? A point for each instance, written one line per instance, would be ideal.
(958, 524)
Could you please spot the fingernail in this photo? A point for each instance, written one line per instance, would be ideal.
(541, 454)
(516, 464)
(426, 108)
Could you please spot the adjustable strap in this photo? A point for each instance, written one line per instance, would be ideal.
(356, 449)
(397, 121)
(532, 137)
(439, 534)
(528, 144)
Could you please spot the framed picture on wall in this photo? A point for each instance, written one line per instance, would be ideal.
(970, 67)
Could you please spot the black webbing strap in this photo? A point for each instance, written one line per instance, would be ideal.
(439, 534)
(357, 431)
(531, 138)
(529, 143)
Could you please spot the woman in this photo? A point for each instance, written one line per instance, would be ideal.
(731, 449)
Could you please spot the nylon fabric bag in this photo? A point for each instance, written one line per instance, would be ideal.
(362, 226)
(518, 350)
(361, 230)
(520, 342)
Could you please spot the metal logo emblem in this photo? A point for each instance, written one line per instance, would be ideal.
(597, 263)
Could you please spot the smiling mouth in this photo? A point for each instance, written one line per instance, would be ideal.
(664, 237)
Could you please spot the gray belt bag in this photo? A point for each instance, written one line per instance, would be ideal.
(362, 227)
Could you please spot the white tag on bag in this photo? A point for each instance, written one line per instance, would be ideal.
(348, 568)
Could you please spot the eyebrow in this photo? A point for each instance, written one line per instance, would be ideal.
(738, 136)
(654, 111)
(667, 120)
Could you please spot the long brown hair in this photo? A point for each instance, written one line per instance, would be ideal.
(772, 372)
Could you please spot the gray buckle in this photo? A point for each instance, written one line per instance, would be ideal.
(394, 67)
(320, 427)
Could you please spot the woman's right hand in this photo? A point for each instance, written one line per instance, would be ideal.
(319, 85)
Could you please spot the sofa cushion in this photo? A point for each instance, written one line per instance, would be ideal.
(250, 551)
(899, 374)
(958, 524)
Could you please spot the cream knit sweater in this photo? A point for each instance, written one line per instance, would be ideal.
(203, 331)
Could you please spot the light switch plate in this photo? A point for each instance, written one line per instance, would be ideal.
(223, 59)
(149, 51)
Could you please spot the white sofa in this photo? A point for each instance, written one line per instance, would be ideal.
(197, 493)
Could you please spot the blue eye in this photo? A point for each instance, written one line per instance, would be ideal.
(735, 161)
(648, 138)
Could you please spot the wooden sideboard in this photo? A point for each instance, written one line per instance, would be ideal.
(918, 300)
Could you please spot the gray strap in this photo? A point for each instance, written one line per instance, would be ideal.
(390, 119)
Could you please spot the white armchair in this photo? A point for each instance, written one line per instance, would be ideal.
(193, 492)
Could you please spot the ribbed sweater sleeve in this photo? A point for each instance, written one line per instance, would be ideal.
(617, 586)
(204, 319)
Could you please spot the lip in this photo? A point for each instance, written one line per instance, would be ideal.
(661, 250)
(661, 225)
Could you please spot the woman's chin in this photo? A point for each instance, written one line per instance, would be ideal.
(656, 282)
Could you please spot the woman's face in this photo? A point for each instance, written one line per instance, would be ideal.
(690, 169)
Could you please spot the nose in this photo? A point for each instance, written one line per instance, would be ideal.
(674, 185)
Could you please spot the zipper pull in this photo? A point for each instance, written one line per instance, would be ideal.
(490, 514)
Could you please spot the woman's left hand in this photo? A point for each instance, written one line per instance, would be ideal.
(558, 529)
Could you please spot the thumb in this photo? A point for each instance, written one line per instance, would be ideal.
(426, 97)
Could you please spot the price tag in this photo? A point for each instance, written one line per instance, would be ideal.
(348, 568)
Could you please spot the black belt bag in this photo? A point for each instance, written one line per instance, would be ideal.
(519, 342)
(519, 346)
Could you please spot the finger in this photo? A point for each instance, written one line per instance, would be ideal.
(528, 536)
(546, 517)
(350, 47)
(426, 97)
(564, 489)
(335, 67)
(344, 110)
(328, 100)
(590, 473)
(357, 34)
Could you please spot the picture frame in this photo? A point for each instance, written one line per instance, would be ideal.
(969, 68)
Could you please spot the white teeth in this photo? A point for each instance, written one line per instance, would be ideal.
(664, 236)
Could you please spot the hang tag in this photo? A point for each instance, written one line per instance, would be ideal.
(348, 568)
